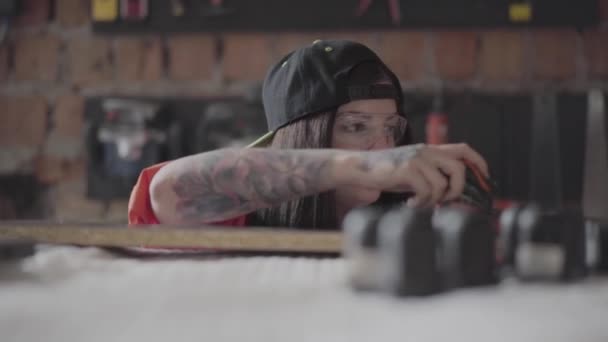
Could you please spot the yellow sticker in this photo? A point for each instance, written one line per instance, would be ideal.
(520, 12)
(104, 10)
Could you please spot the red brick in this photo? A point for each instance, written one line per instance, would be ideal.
(456, 54)
(191, 57)
(287, 42)
(34, 12)
(37, 58)
(501, 55)
(50, 170)
(64, 144)
(4, 62)
(77, 169)
(68, 115)
(23, 121)
(369, 39)
(72, 13)
(247, 57)
(138, 59)
(596, 52)
(117, 212)
(554, 54)
(405, 54)
(71, 203)
(89, 61)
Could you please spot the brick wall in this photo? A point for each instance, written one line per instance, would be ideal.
(51, 62)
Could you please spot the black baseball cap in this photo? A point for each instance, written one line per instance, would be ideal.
(315, 78)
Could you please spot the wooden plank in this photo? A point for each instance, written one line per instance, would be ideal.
(160, 236)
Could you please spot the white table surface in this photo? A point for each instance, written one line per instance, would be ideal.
(69, 294)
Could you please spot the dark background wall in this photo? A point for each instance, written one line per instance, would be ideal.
(52, 62)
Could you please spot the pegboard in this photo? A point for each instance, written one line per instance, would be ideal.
(172, 16)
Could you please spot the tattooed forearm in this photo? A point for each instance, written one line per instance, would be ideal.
(231, 182)
(395, 157)
(223, 184)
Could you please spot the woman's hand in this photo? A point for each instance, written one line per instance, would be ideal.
(433, 173)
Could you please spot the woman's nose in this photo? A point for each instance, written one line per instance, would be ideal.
(382, 142)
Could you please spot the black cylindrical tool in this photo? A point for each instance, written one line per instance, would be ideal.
(595, 180)
(467, 241)
(11, 250)
(507, 239)
(550, 245)
(596, 247)
(360, 227)
(408, 252)
(545, 164)
(602, 255)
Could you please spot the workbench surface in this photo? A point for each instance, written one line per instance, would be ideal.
(70, 294)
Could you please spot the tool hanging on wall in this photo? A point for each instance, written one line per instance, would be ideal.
(595, 179)
(520, 12)
(104, 10)
(125, 137)
(595, 188)
(545, 164)
(437, 123)
(393, 6)
(134, 10)
(122, 137)
(178, 8)
(214, 8)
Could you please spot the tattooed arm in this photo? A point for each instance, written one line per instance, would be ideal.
(226, 183)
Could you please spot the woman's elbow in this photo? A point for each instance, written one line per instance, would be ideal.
(163, 199)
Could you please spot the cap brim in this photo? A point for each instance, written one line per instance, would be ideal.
(263, 141)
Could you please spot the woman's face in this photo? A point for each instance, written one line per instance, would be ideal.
(365, 125)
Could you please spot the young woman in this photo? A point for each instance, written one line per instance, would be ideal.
(338, 140)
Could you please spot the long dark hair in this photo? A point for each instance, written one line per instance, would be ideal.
(315, 131)
(316, 211)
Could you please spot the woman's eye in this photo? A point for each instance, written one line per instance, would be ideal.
(392, 129)
(355, 127)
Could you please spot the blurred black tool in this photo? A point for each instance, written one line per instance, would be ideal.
(544, 245)
(215, 8)
(545, 164)
(595, 181)
(467, 254)
(408, 246)
(360, 229)
(11, 250)
(478, 190)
